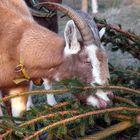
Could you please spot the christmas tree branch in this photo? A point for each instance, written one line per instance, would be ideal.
(136, 92)
(120, 39)
(65, 121)
(121, 117)
(121, 99)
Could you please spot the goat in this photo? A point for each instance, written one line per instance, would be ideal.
(44, 54)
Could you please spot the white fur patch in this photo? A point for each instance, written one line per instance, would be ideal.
(91, 100)
(94, 6)
(91, 50)
(56, 77)
(70, 35)
(51, 100)
(103, 95)
(50, 97)
(47, 84)
(72, 50)
(18, 106)
(29, 101)
(102, 32)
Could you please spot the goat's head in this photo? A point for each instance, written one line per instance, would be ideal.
(84, 59)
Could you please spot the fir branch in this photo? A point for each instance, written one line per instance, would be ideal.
(62, 113)
(121, 117)
(136, 92)
(121, 99)
(118, 29)
(59, 105)
(34, 93)
(9, 132)
(133, 72)
(121, 39)
(65, 121)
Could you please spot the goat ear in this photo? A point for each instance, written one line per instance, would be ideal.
(102, 32)
(70, 35)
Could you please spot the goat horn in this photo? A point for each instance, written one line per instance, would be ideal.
(81, 24)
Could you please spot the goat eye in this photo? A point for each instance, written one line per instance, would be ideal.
(87, 61)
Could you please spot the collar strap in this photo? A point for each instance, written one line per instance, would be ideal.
(21, 68)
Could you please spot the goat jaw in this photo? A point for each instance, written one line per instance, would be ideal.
(100, 100)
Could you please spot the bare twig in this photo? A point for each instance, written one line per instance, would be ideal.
(128, 41)
(134, 72)
(121, 117)
(59, 105)
(118, 29)
(136, 92)
(109, 131)
(34, 92)
(121, 99)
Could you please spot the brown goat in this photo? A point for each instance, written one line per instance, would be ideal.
(44, 54)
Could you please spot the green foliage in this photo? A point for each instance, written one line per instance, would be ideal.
(107, 118)
(64, 121)
(118, 39)
(72, 84)
(91, 120)
(82, 128)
